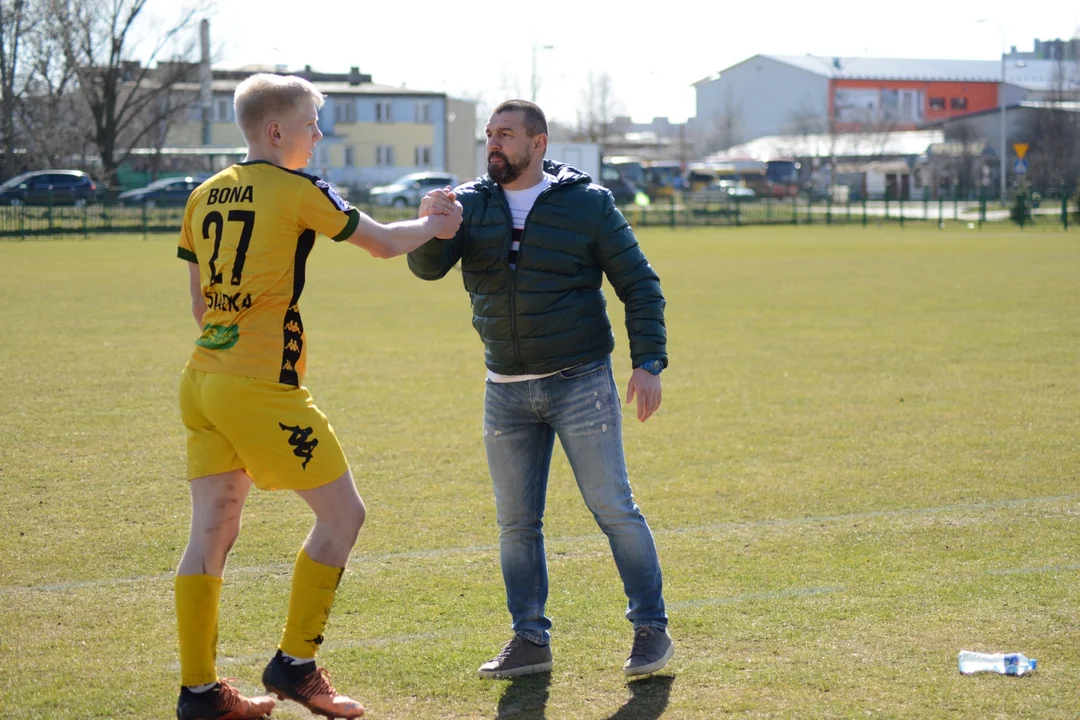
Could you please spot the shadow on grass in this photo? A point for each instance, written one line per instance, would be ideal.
(525, 698)
(648, 698)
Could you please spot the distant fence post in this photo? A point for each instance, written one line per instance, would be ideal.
(1064, 207)
(828, 209)
(671, 198)
(795, 209)
(22, 222)
(901, 203)
(864, 209)
(940, 211)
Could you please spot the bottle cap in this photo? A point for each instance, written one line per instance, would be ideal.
(1032, 661)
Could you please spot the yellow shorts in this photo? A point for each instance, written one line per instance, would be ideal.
(273, 431)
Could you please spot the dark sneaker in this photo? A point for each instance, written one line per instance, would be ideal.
(518, 657)
(651, 651)
(311, 689)
(222, 703)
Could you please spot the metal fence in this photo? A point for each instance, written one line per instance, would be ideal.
(1024, 209)
(26, 222)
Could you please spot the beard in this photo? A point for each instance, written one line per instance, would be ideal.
(508, 171)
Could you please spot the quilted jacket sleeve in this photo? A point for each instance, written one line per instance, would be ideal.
(433, 259)
(636, 284)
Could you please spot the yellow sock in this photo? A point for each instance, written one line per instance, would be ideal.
(314, 586)
(197, 599)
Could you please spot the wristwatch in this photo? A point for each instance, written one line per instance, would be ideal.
(653, 367)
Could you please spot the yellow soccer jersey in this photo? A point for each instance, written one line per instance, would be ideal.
(250, 229)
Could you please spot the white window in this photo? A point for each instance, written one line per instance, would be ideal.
(384, 156)
(223, 110)
(423, 156)
(423, 112)
(383, 111)
(324, 156)
(348, 156)
(345, 111)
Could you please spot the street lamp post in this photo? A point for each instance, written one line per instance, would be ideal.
(1002, 152)
(535, 85)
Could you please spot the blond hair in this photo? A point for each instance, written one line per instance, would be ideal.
(261, 97)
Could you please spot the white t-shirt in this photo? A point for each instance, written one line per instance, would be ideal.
(521, 202)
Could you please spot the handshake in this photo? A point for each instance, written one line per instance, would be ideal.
(445, 210)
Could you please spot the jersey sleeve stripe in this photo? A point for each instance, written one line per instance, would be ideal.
(350, 227)
(184, 254)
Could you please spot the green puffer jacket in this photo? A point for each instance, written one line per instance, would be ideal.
(549, 313)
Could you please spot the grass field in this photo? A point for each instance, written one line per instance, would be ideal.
(868, 458)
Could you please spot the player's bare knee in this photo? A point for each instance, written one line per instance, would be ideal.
(356, 516)
(218, 540)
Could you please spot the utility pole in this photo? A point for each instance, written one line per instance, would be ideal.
(206, 79)
(1003, 152)
(535, 81)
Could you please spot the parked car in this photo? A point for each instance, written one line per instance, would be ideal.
(166, 192)
(723, 190)
(409, 189)
(49, 187)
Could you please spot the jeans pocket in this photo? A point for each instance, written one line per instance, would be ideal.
(580, 371)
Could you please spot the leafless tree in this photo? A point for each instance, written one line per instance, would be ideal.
(809, 118)
(964, 162)
(726, 125)
(1053, 132)
(127, 101)
(51, 119)
(17, 20)
(598, 108)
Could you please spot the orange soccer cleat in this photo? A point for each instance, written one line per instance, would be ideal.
(312, 690)
(223, 702)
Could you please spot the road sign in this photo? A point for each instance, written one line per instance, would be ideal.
(1021, 149)
(1020, 168)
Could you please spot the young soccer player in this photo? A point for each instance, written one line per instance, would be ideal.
(247, 233)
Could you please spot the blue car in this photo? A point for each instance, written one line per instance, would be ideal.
(49, 187)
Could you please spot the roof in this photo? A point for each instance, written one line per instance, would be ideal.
(859, 68)
(327, 88)
(1030, 74)
(909, 142)
(1063, 106)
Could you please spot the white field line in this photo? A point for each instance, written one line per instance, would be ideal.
(576, 541)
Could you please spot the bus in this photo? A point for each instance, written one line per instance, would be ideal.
(628, 168)
(776, 177)
(745, 177)
(662, 179)
(782, 177)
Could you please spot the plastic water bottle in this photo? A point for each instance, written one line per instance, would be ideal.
(1001, 663)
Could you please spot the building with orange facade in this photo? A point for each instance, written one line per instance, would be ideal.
(768, 95)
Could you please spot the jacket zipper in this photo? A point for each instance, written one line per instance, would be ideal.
(513, 270)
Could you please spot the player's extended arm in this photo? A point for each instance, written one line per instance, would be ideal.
(387, 241)
(198, 302)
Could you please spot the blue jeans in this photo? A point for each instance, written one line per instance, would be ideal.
(581, 405)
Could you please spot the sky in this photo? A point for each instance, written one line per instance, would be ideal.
(653, 52)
